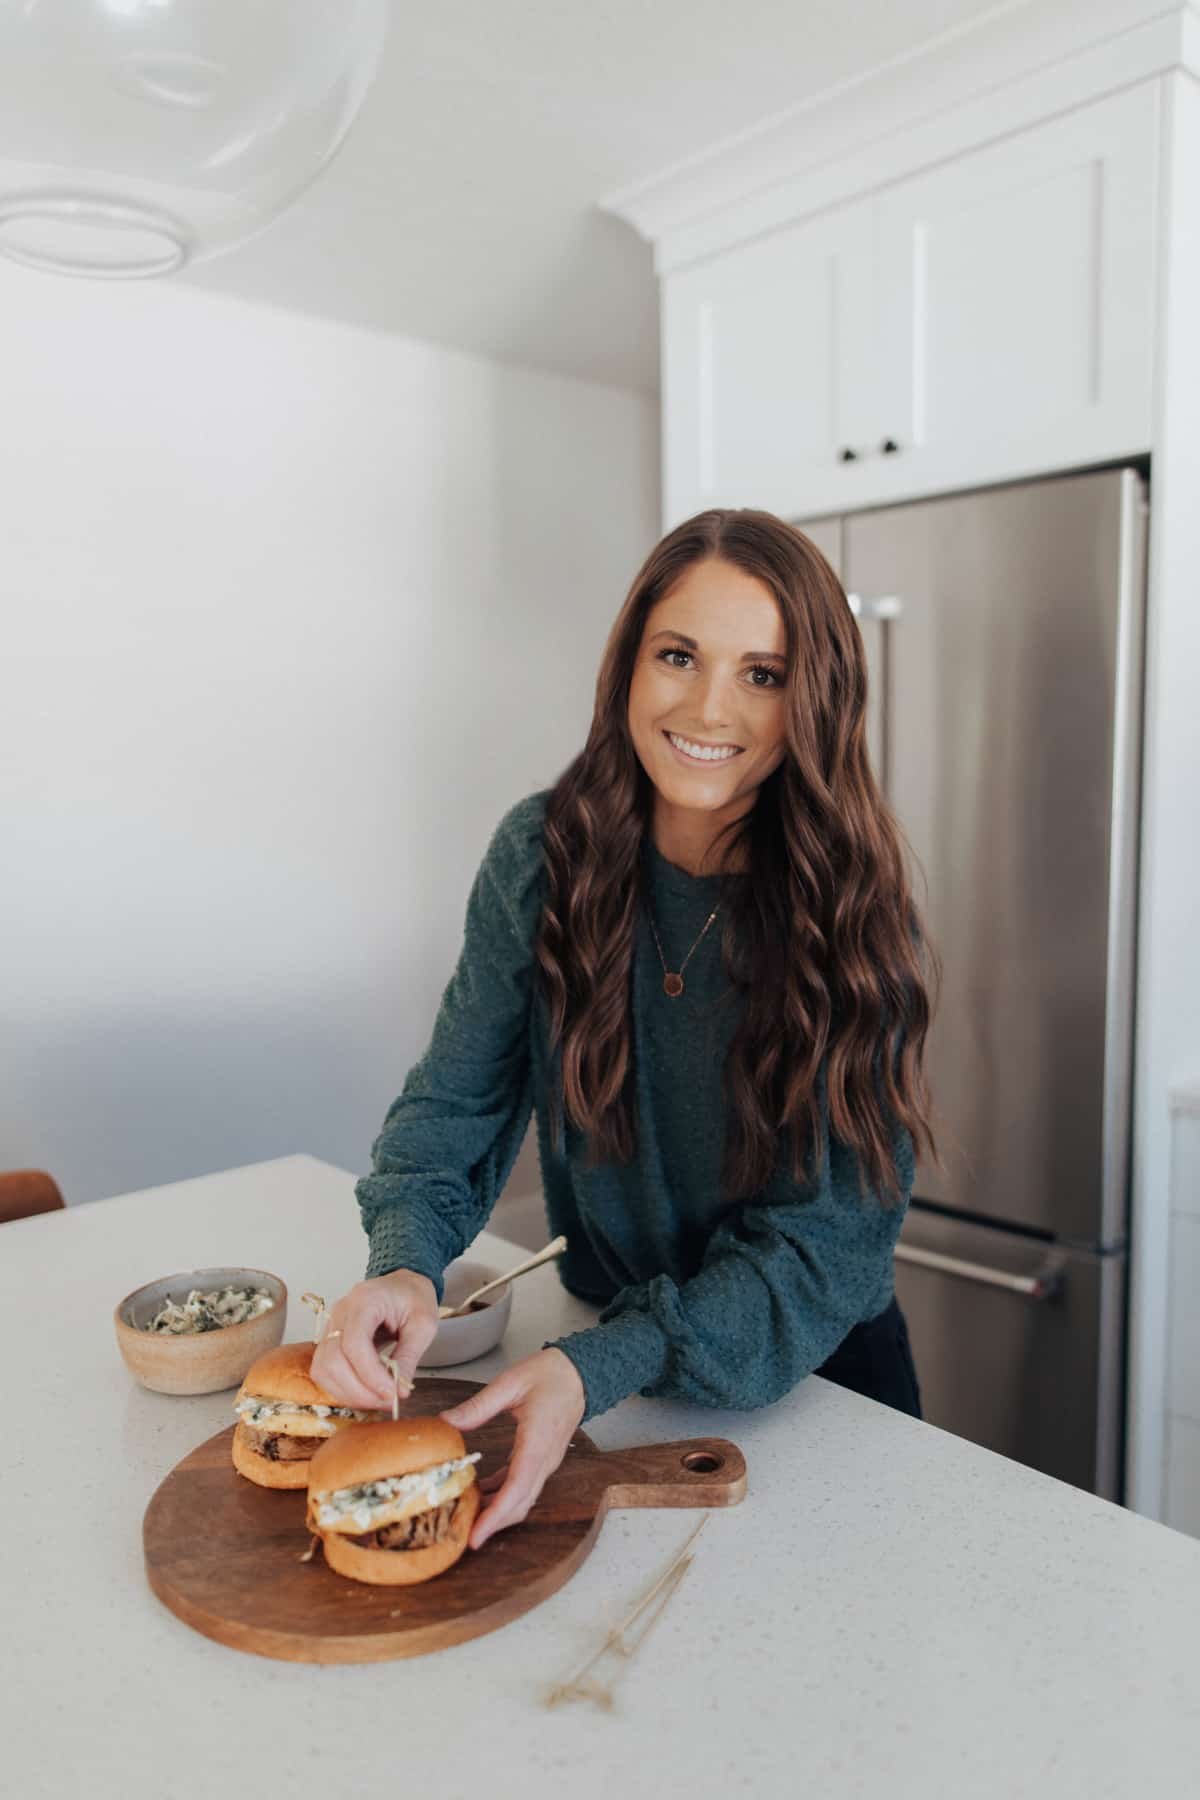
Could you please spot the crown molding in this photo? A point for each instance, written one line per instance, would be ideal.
(1023, 61)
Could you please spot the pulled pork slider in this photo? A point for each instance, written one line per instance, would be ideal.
(393, 1502)
(283, 1416)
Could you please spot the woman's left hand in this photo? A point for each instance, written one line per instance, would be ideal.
(545, 1395)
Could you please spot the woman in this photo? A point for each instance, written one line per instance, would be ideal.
(697, 957)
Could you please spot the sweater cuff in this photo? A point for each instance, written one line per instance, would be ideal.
(395, 1244)
(624, 1356)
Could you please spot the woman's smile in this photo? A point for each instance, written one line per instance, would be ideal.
(699, 755)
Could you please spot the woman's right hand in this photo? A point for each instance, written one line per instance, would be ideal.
(402, 1305)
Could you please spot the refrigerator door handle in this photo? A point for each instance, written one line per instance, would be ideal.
(887, 606)
(1041, 1286)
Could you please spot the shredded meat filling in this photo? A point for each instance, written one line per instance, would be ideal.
(277, 1446)
(415, 1533)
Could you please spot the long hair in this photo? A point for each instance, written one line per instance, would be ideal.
(823, 942)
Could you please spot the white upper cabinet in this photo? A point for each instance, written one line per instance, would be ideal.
(988, 319)
(763, 374)
(1016, 300)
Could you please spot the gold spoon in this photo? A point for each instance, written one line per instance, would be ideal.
(546, 1255)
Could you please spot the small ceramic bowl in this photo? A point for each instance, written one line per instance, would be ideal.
(460, 1340)
(200, 1362)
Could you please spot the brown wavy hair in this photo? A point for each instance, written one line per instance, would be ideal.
(823, 942)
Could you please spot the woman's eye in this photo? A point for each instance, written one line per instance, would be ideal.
(755, 669)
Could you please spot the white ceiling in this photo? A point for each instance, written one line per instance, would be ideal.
(464, 207)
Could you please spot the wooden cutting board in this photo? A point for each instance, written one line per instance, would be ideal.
(225, 1554)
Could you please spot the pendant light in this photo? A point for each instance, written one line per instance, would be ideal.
(137, 136)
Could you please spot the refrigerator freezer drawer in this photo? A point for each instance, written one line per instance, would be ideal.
(1017, 1344)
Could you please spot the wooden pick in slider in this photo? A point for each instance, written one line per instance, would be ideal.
(321, 1312)
(387, 1356)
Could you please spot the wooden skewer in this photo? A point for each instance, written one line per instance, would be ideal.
(321, 1311)
(626, 1649)
(580, 1689)
(577, 1688)
(644, 1602)
(387, 1356)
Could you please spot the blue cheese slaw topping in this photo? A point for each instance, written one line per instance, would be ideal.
(256, 1410)
(360, 1503)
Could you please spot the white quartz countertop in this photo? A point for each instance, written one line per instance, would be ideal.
(891, 1611)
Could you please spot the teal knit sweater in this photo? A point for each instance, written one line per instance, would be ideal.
(727, 1314)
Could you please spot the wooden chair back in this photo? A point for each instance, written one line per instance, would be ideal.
(24, 1192)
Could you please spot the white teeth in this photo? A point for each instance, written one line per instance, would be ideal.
(699, 753)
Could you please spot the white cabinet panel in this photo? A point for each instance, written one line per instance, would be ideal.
(988, 320)
(1017, 304)
(763, 373)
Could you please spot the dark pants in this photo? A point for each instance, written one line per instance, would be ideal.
(875, 1359)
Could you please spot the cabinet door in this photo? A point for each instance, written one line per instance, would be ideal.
(765, 376)
(1016, 303)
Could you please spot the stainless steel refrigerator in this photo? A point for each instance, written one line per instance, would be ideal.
(1003, 631)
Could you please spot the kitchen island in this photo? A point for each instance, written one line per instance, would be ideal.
(890, 1611)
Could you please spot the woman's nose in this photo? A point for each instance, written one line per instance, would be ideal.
(714, 707)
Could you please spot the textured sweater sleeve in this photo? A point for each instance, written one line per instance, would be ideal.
(450, 1138)
(780, 1284)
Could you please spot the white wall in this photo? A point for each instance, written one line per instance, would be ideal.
(292, 612)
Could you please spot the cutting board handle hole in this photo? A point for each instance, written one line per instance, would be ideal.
(703, 1462)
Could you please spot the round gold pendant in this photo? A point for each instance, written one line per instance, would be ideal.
(672, 984)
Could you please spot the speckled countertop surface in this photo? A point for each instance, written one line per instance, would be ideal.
(891, 1611)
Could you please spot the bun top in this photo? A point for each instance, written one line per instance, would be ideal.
(373, 1451)
(282, 1374)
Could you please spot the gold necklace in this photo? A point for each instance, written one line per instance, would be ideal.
(673, 983)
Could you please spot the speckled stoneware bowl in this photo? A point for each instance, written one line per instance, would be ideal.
(460, 1340)
(201, 1362)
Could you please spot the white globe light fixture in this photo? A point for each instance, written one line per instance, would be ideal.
(140, 135)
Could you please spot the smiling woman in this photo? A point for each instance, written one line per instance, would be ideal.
(729, 1152)
(699, 703)
(736, 633)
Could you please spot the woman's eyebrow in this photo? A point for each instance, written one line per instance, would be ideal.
(750, 656)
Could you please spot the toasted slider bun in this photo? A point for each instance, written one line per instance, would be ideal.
(282, 1376)
(256, 1467)
(375, 1452)
(400, 1568)
(384, 1447)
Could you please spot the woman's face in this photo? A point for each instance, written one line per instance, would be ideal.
(711, 670)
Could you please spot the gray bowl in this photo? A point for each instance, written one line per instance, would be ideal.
(461, 1340)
